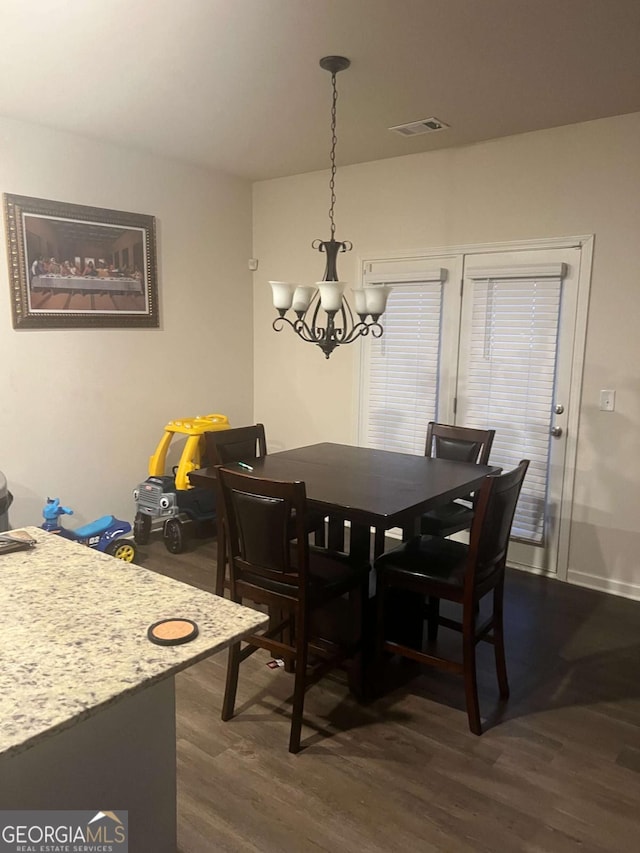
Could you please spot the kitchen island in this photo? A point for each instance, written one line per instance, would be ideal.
(87, 702)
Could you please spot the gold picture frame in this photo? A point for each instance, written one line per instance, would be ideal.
(72, 266)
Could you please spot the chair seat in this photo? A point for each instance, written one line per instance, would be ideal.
(446, 519)
(428, 557)
(331, 574)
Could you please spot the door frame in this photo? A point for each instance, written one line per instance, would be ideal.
(585, 243)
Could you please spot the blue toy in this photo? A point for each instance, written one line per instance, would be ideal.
(105, 534)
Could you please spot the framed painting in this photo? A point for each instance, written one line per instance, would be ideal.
(77, 267)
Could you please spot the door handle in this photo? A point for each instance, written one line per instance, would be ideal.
(556, 431)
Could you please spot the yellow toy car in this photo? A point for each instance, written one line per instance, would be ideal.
(171, 497)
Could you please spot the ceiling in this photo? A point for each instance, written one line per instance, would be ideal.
(235, 85)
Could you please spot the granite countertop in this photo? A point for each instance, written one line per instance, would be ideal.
(74, 634)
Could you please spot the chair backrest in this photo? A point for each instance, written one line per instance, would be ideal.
(261, 516)
(459, 444)
(496, 503)
(236, 445)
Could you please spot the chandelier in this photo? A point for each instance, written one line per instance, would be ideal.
(337, 325)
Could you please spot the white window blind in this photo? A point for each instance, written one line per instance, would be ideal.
(403, 369)
(510, 373)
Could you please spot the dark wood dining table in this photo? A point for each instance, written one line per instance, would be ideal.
(369, 488)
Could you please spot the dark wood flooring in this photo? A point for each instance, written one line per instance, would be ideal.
(558, 768)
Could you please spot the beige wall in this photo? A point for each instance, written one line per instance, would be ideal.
(574, 180)
(81, 411)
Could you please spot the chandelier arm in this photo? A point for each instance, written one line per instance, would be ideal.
(343, 333)
(356, 331)
(313, 333)
(375, 329)
(309, 335)
(278, 323)
(363, 328)
(314, 327)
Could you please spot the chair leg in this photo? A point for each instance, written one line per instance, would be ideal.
(498, 641)
(221, 558)
(298, 691)
(470, 678)
(433, 618)
(289, 637)
(233, 668)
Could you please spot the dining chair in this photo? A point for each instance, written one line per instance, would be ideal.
(293, 578)
(243, 444)
(239, 444)
(445, 569)
(458, 444)
(236, 444)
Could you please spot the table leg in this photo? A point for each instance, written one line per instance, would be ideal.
(410, 529)
(405, 610)
(360, 541)
(404, 617)
(359, 674)
(379, 543)
(403, 623)
(336, 533)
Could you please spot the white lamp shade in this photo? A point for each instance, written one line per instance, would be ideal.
(331, 294)
(360, 300)
(377, 299)
(282, 294)
(302, 297)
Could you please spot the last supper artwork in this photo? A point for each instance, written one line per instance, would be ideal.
(76, 266)
(84, 266)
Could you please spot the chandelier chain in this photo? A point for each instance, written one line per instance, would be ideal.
(334, 140)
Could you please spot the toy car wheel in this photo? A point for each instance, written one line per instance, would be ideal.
(122, 549)
(174, 536)
(142, 528)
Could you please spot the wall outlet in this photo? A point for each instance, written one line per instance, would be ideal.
(253, 264)
(607, 401)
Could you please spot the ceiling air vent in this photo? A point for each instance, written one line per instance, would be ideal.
(426, 125)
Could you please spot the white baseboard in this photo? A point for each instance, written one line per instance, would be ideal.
(531, 570)
(622, 588)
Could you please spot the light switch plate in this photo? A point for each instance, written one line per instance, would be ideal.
(607, 401)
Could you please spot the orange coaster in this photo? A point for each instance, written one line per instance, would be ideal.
(172, 632)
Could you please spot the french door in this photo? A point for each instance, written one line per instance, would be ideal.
(482, 340)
